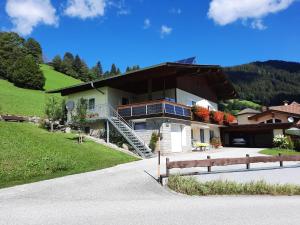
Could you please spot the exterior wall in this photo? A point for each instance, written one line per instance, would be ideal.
(153, 125)
(207, 128)
(115, 96)
(243, 119)
(185, 98)
(277, 132)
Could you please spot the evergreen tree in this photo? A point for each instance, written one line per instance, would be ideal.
(97, 70)
(84, 74)
(77, 65)
(11, 49)
(67, 65)
(34, 48)
(57, 63)
(113, 70)
(27, 74)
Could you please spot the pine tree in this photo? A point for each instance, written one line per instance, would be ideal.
(57, 63)
(97, 70)
(34, 48)
(67, 65)
(113, 70)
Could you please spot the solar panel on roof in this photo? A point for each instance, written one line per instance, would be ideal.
(191, 60)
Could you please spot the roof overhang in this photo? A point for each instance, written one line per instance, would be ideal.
(257, 127)
(162, 76)
(272, 111)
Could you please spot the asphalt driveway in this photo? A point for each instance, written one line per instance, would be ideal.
(126, 194)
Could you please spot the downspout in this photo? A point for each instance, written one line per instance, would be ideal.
(92, 85)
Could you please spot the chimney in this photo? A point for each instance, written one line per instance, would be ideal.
(285, 102)
(264, 108)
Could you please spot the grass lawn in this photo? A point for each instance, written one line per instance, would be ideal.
(29, 154)
(274, 151)
(20, 101)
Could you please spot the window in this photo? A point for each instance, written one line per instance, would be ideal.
(211, 134)
(140, 126)
(269, 121)
(202, 140)
(91, 104)
(191, 103)
(192, 134)
(278, 121)
(125, 101)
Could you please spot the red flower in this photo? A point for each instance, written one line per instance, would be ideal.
(218, 117)
(228, 118)
(202, 113)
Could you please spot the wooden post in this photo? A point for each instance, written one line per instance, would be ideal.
(167, 169)
(158, 168)
(280, 160)
(248, 163)
(209, 167)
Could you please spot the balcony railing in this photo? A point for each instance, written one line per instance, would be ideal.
(159, 107)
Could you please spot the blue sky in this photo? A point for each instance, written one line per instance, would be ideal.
(147, 32)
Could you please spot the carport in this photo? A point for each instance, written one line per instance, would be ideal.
(255, 135)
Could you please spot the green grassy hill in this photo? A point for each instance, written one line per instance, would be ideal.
(19, 101)
(29, 153)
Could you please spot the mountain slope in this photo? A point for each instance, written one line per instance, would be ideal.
(20, 101)
(268, 83)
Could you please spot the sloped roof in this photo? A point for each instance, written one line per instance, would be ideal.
(293, 108)
(136, 81)
(248, 111)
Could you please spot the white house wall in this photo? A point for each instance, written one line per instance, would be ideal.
(186, 98)
(115, 96)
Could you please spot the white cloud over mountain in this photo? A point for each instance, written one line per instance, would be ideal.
(27, 14)
(224, 12)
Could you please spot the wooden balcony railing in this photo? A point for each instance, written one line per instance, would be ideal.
(152, 108)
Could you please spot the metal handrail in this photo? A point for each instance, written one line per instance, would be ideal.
(110, 111)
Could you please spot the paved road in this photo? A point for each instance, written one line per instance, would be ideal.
(126, 194)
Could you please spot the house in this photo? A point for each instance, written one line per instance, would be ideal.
(258, 128)
(155, 99)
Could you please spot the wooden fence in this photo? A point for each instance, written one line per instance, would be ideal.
(209, 163)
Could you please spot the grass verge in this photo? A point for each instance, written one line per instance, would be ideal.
(29, 154)
(275, 151)
(191, 186)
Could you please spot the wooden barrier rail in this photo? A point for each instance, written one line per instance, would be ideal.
(209, 163)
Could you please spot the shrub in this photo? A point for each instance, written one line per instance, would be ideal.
(290, 143)
(153, 141)
(27, 74)
(217, 117)
(281, 141)
(190, 186)
(202, 113)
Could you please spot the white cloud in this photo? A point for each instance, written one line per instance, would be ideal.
(175, 11)
(147, 23)
(258, 24)
(165, 30)
(224, 12)
(27, 14)
(85, 8)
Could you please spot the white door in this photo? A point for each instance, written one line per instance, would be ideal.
(176, 138)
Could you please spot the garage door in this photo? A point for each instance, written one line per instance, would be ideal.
(176, 138)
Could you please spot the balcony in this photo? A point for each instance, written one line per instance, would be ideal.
(155, 108)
